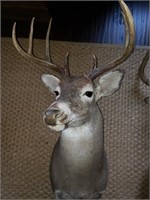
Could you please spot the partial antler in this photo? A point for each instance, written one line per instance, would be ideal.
(142, 75)
(29, 54)
(129, 45)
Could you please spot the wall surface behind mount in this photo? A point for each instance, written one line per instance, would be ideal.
(27, 144)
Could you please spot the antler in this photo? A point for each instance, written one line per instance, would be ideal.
(129, 45)
(142, 75)
(29, 54)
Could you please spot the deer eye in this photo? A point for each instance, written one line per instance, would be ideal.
(89, 94)
(56, 93)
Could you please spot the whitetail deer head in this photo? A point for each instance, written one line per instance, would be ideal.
(79, 166)
(75, 94)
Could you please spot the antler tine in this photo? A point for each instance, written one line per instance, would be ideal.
(142, 75)
(95, 61)
(29, 53)
(66, 64)
(30, 48)
(48, 55)
(128, 46)
(16, 44)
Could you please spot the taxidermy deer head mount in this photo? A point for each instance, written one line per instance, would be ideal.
(79, 166)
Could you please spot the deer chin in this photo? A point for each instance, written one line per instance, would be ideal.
(73, 123)
(58, 127)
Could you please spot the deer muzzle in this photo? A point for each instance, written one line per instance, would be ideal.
(51, 116)
(54, 117)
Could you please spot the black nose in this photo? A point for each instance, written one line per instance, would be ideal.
(50, 116)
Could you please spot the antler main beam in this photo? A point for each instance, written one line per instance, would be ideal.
(29, 54)
(128, 47)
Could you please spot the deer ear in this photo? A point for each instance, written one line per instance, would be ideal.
(109, 83)
(50, 81)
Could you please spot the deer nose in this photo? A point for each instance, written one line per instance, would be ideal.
(50, 116)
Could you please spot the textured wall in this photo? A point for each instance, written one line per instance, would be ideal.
(27, 144)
